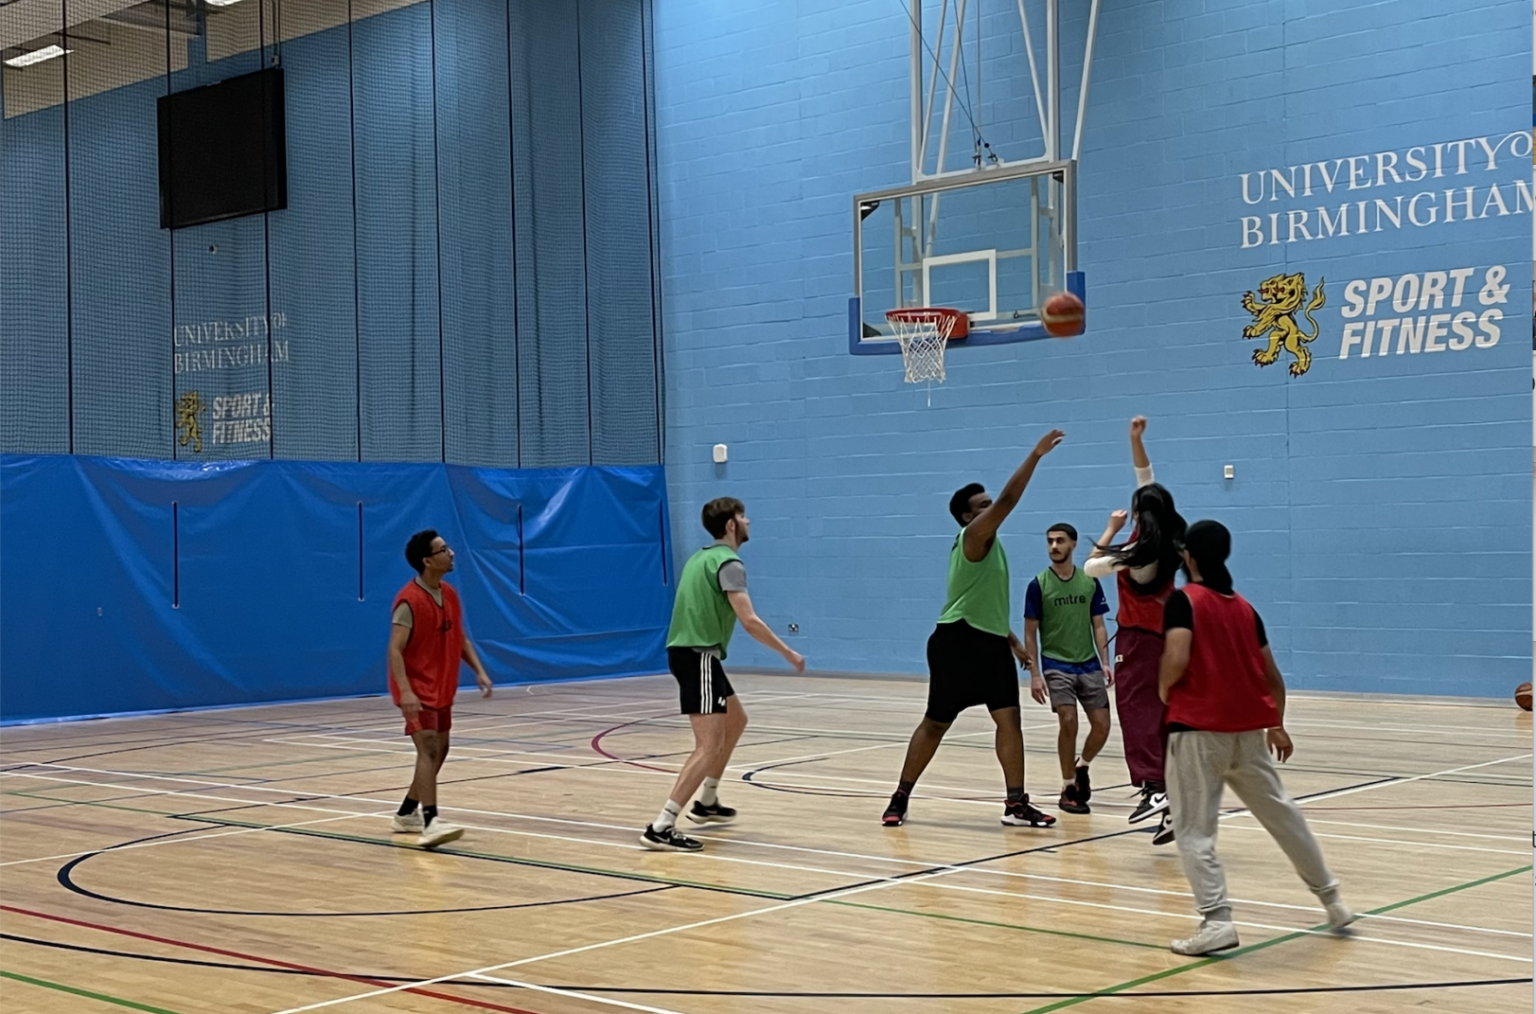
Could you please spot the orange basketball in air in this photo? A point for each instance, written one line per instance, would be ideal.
(1062, 315)
(1523, 696)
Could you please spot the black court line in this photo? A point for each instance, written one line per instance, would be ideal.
(638, 991)
(482, 857)
(66, 880)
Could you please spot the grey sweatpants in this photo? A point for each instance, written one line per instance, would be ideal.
(1199, 765)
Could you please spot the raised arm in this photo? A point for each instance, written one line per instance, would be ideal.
(1139, 459)
(983, 528)
(1099, 565)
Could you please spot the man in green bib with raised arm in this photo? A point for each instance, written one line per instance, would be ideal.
(711, 597)
(971, 652)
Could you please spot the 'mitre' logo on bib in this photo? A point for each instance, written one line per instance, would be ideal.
(1274, 314)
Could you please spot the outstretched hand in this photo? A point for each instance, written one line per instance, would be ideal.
(1048, 443)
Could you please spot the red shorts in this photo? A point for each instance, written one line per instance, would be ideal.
(438, 719)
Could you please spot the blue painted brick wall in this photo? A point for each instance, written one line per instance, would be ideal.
(1380, 508)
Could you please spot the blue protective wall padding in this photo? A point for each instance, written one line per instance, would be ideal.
(156, 585)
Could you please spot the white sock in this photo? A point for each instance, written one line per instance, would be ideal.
(710, 794)
(668, 816)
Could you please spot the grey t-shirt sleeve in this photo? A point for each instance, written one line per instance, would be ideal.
(733, 576)
(402, 616)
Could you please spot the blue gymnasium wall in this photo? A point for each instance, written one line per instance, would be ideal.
(1380, 507)
(461, 288)
(176, 585)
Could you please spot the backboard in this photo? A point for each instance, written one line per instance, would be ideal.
(994, 243)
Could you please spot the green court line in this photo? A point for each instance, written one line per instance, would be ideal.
(998, 925)
(85, 992)
(84, 802)
(497, 857)
(1228, 955)
(301, 760)
(771, 895)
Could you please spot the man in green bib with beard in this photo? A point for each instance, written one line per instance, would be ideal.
(711, 597)
(971, 652)
(1068, 646)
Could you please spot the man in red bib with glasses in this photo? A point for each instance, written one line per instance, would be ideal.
(427, 641)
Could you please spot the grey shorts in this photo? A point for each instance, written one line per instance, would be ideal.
(1088, 689)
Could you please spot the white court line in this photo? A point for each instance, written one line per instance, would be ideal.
(834, 896)
(1398, 780)
(1236, 922)
(1418, 830)
(469, 721)
(610, 1001)
(623, 829)
(341, 815)
(190, 837)
(1449, 730)
(882, 881)
(1394, 841)
(587, 948)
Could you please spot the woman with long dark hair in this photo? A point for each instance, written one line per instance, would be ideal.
(1144, 567)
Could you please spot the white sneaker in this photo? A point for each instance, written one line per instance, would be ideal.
(439, 832)
(1210, 937)
(408, 824)
(1339, 916)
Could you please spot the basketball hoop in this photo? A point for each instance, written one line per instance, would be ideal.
(923, 333)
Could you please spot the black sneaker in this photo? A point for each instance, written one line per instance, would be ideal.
(1164, 833)
(712, 814)
(1152, 803)
(1084, 786)
(1023, 814)
(1071, 801)
(895, 814)
(669, 840)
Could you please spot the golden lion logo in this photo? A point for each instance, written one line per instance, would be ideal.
(1274, 313)
(188, 408)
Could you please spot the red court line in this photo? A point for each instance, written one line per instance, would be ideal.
(267, 961)
(597, 746)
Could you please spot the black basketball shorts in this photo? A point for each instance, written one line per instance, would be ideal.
(967, 667)
(702, 686)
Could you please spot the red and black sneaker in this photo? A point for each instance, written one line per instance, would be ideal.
(1023, 814)
(895, 814)
(1071, 801)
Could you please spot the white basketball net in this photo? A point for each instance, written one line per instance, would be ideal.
(923, 335)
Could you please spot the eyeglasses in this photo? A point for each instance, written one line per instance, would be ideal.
(436, 552)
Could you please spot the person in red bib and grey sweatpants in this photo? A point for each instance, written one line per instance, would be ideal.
(1144, 569)
(1226, 711)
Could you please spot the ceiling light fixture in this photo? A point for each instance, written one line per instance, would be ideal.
(36, 56)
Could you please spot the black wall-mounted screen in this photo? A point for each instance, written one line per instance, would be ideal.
(222, 150)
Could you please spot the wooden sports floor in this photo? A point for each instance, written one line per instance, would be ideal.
(241, 861)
